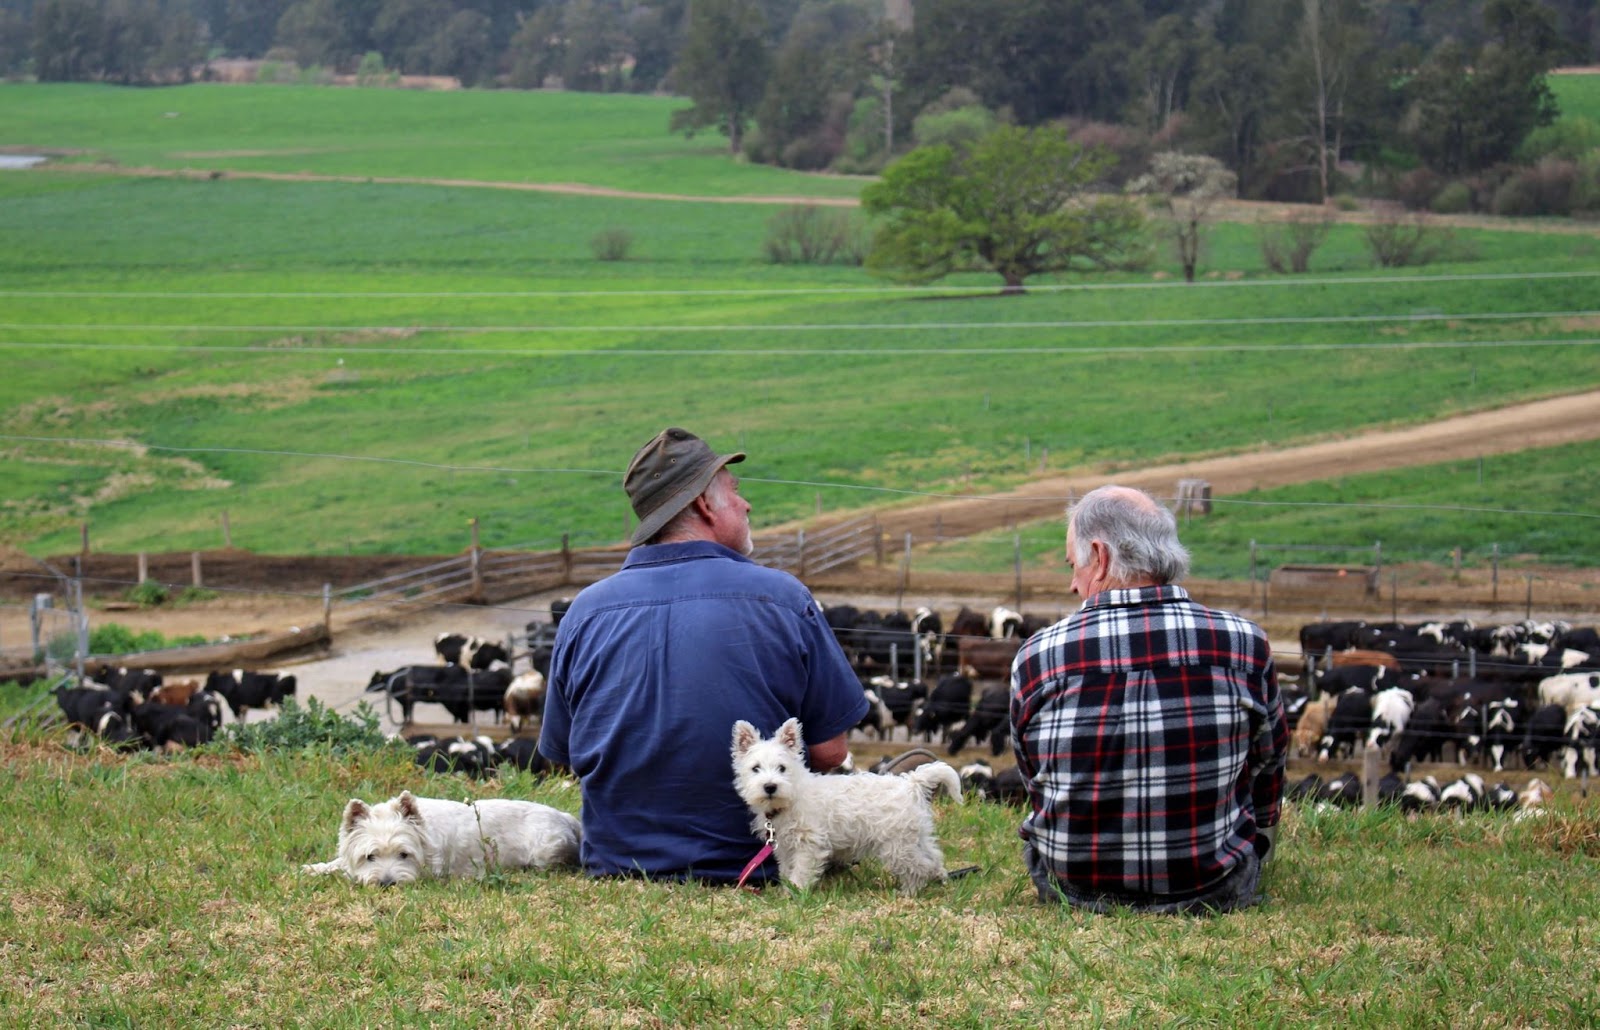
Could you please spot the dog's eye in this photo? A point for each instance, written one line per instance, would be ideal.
(783, 768)
(755, 768)
(372, 857)
(404, 855)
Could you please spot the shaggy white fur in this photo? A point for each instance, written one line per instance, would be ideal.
(407, 838)
(817, 819)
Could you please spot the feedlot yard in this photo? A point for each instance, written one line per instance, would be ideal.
(339, 676)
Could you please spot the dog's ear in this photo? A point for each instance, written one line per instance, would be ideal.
(745, 737)
(789, 735)
(408, 807)
(354, 812)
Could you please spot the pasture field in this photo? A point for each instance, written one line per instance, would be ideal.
(1577, 95)
(357, 367)
(610, 140)
(145, 891)
(1536, 504)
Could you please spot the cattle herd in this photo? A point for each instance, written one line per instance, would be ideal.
(1522, 694)
(137, 708)
(1519, 694)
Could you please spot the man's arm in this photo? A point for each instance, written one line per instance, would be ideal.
(829, 754)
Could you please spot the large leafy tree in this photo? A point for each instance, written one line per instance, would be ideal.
(722, 68)
(1017, 201)
(1470, 109)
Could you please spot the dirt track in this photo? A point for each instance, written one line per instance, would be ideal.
(1546, 423)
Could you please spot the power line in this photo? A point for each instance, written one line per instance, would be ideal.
(808, 290)
(808, 327)
(800, 352)
(929, 494)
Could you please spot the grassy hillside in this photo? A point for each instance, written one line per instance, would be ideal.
(363, 367)
(148, 891)
(617, 141)
(1578, 95)
(1536, 503)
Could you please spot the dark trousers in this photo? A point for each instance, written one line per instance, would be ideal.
(1238, 891)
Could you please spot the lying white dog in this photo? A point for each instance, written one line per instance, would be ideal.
(815, 820)
(407, 838)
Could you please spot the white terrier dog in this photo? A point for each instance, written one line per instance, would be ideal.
(406, 838)
(812, 820)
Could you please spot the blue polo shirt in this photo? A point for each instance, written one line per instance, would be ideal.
(652, 666)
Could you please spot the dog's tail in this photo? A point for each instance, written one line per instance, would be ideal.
(936, 776)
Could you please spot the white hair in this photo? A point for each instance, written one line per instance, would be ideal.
(1140, 534)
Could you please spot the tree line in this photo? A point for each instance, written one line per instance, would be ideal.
(1296, 98)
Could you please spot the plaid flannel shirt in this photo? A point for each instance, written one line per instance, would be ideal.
(1151, 737)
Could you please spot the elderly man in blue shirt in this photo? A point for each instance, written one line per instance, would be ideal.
(653, 665)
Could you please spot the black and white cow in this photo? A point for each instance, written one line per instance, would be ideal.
(1350, 720)
(948, 703)
(1545, 735)
(244, 690)
(992, 711)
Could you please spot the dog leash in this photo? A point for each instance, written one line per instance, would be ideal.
(761, 856)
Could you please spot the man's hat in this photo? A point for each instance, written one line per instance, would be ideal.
(666, 475)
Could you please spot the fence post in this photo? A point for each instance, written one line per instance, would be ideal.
(1528, 612)
(194, 569)
(477, 569)
(1016, 564)
(83, 542)
(800, 553)
(1377, 558)
(1252, 572)
(566, 562)
(905, 572)
(1370, 775)
(80, 621)
(1458, 564)
(327, 608)
(144, 567)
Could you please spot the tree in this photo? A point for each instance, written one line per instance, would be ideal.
(1186, 190)
(1472, 109)
(1016, 202)
(723, 68)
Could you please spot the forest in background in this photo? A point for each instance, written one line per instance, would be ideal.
(1302, 100)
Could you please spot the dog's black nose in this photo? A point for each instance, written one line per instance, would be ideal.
(771, 789)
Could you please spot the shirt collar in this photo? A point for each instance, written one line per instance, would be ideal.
(1136, 596)
(658, 554)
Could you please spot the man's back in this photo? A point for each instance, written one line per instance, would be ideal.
(651, 669)
(1146, 727)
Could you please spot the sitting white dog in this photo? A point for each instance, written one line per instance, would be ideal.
(814, 820)
(407, 838)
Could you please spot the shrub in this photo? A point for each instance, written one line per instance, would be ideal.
(960, 126)
(1417, 187)
(1453, 199)
(148, 594)
(314, 726)
(115, 638)
(1547, 188)
(1570, 137)
(1402, 241)
(611, 244)
(194, 595)
(806, 234)
(1287, 246)
(370, 72)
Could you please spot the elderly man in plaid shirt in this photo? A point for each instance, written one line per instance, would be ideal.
(1148, 728)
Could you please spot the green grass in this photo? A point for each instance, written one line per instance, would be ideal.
(1577, 95)
(1508, 501)
(364, 368)
(145, 891)
(610, 140)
